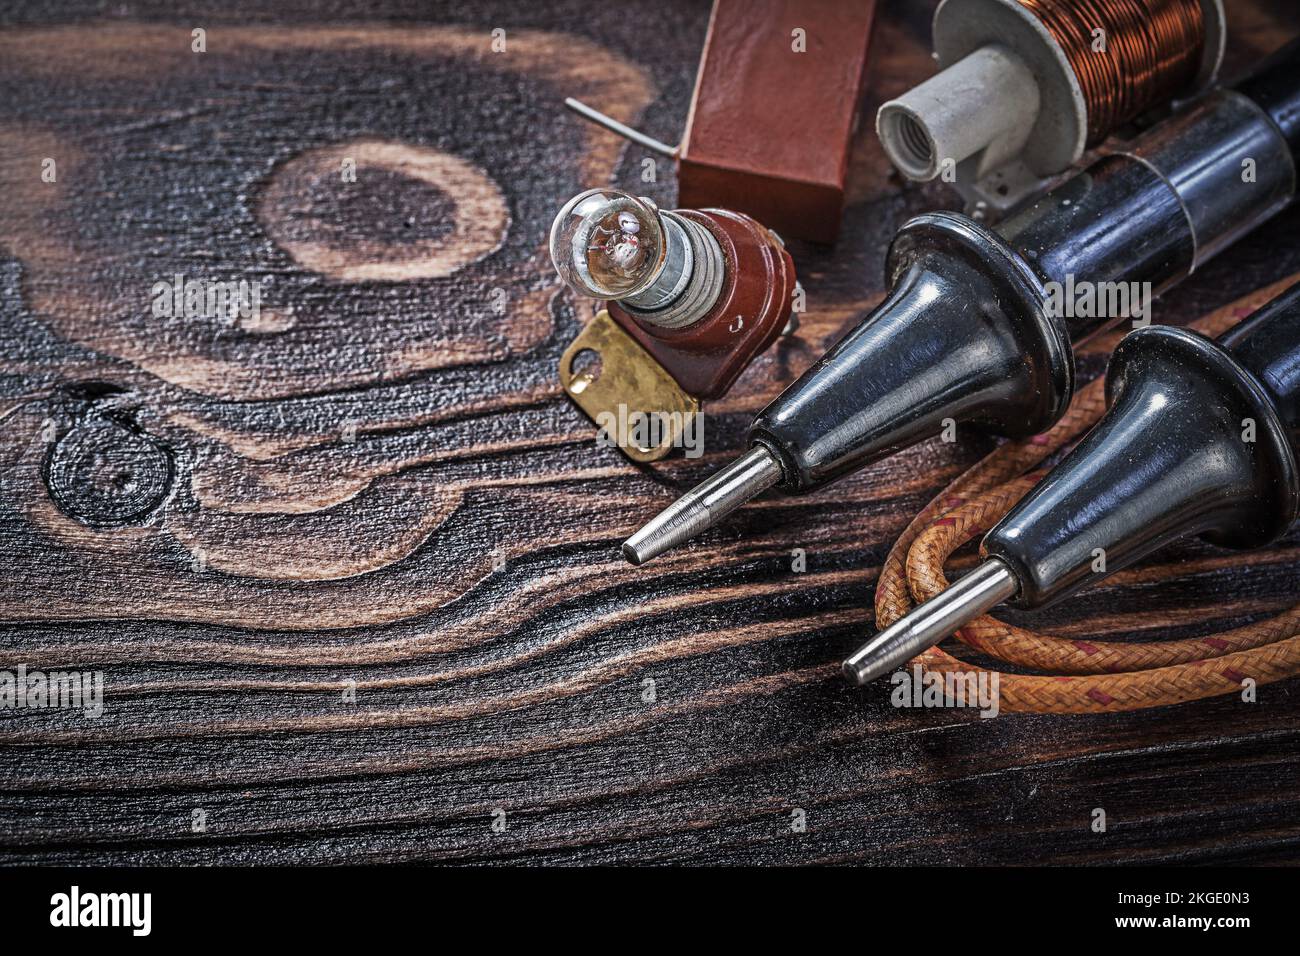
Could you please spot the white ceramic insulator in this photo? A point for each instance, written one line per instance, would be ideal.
(984, 106)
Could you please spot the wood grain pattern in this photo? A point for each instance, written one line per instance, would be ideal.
(378, 491)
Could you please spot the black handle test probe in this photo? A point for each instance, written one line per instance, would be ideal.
(1201, 437)
(968, 331)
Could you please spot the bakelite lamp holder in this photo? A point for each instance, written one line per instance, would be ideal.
(689, 299)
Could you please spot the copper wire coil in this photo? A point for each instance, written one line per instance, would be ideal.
(1152, 52)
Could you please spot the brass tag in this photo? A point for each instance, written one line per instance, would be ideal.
(653, 404)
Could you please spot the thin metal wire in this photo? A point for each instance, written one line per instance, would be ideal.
(622, 129)
(1146, 53)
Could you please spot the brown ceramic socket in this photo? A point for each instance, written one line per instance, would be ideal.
(707, 357)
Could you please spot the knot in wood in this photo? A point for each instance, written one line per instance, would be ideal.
(106, 472)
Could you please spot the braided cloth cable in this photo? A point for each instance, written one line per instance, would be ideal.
(1084, 677)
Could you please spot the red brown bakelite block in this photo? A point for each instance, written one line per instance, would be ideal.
(705, 358)
(769, 129)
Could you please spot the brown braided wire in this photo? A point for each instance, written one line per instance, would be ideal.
(1084, 676)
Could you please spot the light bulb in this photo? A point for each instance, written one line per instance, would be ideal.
(608, 244)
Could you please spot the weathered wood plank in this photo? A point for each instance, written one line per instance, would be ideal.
(378, 487)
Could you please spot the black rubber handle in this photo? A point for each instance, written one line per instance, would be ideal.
(963, 335)
(1201, 437)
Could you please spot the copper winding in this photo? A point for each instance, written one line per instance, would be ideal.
(1152, 52)
(1090, 676)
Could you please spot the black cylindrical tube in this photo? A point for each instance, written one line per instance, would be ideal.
(1274, 89)
(1140, 220)
(1268, 344)
(1116, 222)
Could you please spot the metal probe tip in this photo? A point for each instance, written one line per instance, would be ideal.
(705, 505)
(927, 624)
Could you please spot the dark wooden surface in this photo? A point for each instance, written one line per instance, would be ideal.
(381, 483)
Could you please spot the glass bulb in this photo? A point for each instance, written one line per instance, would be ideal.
(607, 244)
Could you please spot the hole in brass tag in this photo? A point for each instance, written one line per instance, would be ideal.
(585, 369)
(625, 391)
